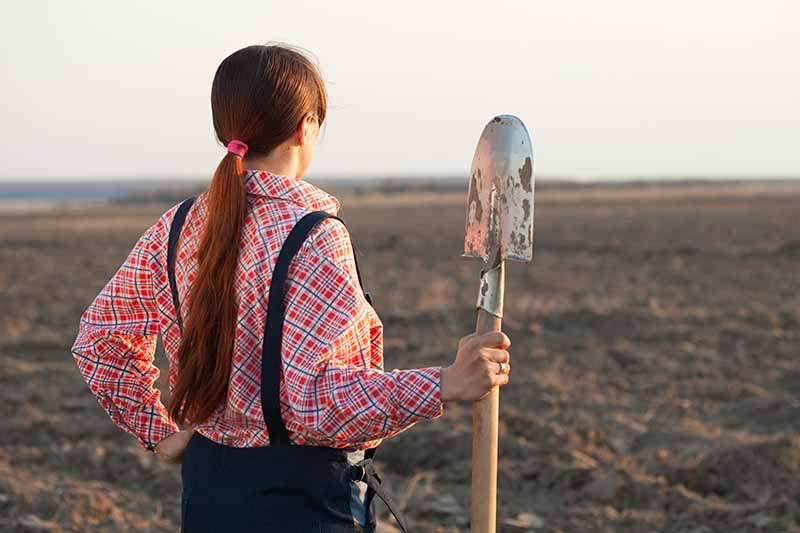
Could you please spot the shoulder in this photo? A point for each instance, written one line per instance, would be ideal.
(330, 240)
(153, 241)
(167, 217)
(165, 221)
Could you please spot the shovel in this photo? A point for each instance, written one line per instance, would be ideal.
(499, 227)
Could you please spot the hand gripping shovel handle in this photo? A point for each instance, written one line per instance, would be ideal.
(483, 509)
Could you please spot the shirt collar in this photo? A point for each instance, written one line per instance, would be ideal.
(303, 193)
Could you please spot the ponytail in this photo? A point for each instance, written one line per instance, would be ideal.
(206, 349)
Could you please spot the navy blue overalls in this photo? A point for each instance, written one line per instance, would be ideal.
(282, 486)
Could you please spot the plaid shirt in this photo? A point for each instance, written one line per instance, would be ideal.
(334, 391)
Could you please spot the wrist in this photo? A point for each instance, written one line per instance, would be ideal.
(155, 446)
(445, 384)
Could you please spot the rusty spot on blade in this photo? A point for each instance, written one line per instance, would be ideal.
(493, 234)
(474, 201)
(525, 175)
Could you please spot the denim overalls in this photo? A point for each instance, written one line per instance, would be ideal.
(281, 487)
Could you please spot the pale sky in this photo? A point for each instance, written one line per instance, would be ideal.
(105, 89)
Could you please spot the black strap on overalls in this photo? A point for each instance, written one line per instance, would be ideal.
(363, 470)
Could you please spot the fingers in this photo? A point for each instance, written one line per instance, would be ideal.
(495, 374)
(465, 339)
(498, 356)
(500, 368)
(500, 380)
(496, 380)
(494, 339)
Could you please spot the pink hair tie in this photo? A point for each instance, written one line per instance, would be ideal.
(237, 147)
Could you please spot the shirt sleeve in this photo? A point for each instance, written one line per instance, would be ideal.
(116, 344)
(338, 392)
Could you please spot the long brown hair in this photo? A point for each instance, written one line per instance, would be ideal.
(260, 95)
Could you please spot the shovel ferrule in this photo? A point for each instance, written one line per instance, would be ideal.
(490, 296)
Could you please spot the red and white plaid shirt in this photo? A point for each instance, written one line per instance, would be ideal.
(334, 391)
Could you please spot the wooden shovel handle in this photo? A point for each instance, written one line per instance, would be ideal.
(483, 507)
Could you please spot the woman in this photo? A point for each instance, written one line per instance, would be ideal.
(295, 453)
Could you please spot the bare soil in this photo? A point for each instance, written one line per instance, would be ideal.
(655, 344)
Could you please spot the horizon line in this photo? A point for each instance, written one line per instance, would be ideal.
(150, 178)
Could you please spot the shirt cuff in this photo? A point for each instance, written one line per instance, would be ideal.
(427, 393)
(435, 405)
(159, 427)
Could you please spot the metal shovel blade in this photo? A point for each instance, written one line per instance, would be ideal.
(500, 202)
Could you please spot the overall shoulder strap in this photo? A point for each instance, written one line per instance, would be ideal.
(273, 335)
(174, 234)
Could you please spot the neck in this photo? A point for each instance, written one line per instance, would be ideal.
(283, 160)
